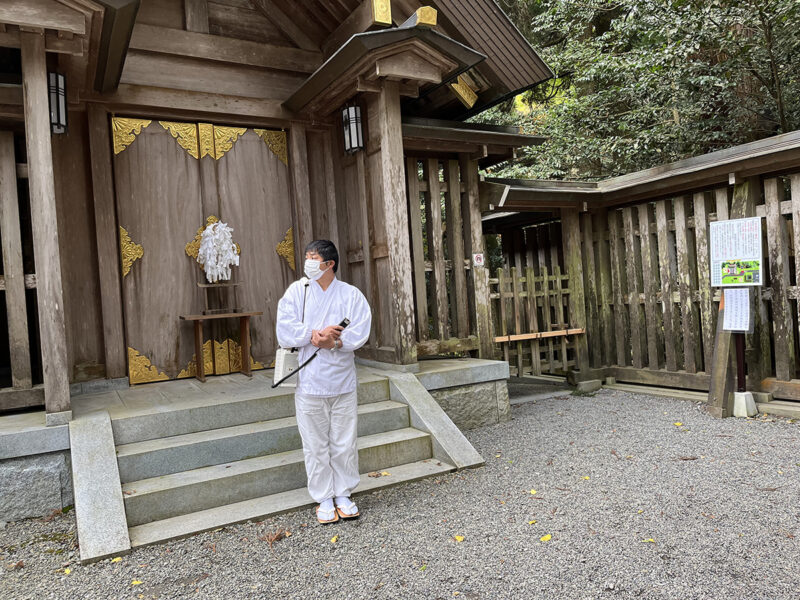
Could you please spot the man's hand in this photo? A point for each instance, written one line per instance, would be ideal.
(320, 340)
(332, 331)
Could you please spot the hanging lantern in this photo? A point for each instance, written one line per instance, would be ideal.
(57, 88)
(353, 136)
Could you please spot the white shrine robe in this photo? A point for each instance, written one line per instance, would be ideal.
(326, 404)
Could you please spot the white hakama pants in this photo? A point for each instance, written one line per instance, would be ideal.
(328, 427)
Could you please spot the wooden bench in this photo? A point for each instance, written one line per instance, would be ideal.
(244, 330)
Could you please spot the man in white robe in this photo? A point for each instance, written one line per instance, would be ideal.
(325, 401)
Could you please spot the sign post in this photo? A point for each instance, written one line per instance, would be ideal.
(736, 265)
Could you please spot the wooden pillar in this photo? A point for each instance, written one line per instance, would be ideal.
(393, 190)
(107, 232)
(45, 229)
(571, 231)
(298, 163)
(473, 228)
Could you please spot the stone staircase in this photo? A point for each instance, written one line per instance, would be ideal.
(195, 468)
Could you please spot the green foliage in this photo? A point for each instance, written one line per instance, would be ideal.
(644, 82)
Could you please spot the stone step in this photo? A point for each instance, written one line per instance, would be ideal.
(258, 508)
(245, 404)
(186, 492)
(780, 408)
(165, 456)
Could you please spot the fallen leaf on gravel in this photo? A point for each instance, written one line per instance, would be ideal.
(532, 522)
(546, 538)
(458, 538)
(136, 582)
(385, 473)
(586, 477)
(334, 539)
(116, 559)
(67, 571)
(687, 458)
(677, 424)
(533, 492)
(13, 566)
(423, 567)
(649, 541)
(640, 511)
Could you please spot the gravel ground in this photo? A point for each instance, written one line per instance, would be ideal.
(636, 497)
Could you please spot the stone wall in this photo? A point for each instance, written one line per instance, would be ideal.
(476, 404)
(35, 486)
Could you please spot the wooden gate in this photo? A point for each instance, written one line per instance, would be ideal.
(173, 179)
(17, 284)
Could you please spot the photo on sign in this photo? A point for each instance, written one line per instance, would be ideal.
(741, 272)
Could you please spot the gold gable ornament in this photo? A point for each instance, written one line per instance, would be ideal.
(285, 248)
(141, 370)
(275, 141)
(185, 134)
(124, 130)
(216, 140)
(464, 92)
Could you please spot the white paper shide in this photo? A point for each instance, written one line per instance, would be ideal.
(217, 252)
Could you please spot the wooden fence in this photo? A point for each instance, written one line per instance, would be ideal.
(531, 320)
(651, 314)
(448, 293)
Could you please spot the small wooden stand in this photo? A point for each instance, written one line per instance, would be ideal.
(244, 330)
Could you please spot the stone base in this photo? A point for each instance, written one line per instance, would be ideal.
(35, 486)
(55, 419)
(475, 405)
(744, 405)
(586, 387)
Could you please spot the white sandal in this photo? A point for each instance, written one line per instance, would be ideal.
(327, 516)
(344, 511)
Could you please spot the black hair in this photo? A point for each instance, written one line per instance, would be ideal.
(327, 250)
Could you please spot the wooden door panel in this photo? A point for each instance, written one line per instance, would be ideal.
(158, 204)
(255, 201)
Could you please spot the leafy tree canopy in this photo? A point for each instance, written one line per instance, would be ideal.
(644, 82)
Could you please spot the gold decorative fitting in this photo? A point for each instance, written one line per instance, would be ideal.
(129, 251)
(185, 134)
(208, 363)
(193, 247)
(140, 370)
(285, 249)
(125, 130)
(275, 141)
(222, 363)
(382, 12)
(426, 15)
(464, 92)
(216, 140)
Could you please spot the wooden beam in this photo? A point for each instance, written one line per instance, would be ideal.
(298, 163)
(448, 346)
(13, 273)
(437, 298)
(45, 224)
(455, 250)
(294, 30)
(150, 38)
(107, 235)
(417, 250)
(539, 335)
(408, 65)
(52, 43)
(196, 13)
(721, 387)
(42, 14)
(364, 18)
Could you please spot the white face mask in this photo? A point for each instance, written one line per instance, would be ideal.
(312, 269)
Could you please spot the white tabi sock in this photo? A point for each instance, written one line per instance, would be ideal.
(343, 502)
(326, 505)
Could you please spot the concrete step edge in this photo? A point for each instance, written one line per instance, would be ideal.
(154, 485)
(186, 525)
(188, 439)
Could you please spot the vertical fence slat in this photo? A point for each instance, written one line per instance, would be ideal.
(721, 201)
(501, 289)
(559, 301)
(590, 278)
(704, 279)
(634, 272)
(605, 318)
(433, 218)
(577, 311)
(620, 316)
(667, 288)
(547, 321)
(455, 250)
(517, 317)
(650, 287)
(533, 321)
(417, 250)
(779, 276)
(688, 320)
